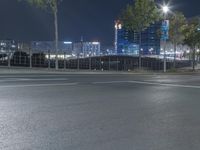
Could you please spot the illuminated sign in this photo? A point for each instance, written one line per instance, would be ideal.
(165, 30)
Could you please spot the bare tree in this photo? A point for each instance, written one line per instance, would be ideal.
(51, 5)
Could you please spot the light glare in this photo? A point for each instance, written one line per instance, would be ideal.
(165, 9)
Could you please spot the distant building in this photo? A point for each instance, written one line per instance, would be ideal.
(8, 45)
(49, 46)
(127, 42)
(86, 49)
(181, 50)
(108, 50)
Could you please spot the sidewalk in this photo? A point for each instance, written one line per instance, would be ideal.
(26, 70)
(189, 69)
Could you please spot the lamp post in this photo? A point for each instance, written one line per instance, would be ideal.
(198, 50)
(165, 10)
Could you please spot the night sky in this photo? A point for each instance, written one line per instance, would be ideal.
(91, 19)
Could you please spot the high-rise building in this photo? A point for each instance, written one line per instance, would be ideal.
(127, 42)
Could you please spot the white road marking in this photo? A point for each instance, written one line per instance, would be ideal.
(110, 82)
(29, 76)
(53, 79)
(151, 83)
(38, 85)
(29, 79)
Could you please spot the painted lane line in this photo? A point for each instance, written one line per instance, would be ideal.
(26, 79)
(38, 85)
(58, 79)
(110, 82)
(166, 84)
(151, 83)
(30, 76)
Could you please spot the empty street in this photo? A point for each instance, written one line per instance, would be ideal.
(99, 111)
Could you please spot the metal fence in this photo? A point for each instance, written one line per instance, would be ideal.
(115, 63)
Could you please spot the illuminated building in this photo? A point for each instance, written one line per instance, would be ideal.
(86, 49)
(127, 42)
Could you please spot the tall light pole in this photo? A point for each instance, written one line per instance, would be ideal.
(165, 25)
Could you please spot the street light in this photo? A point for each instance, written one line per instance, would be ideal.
(198, 50)
(165, 10)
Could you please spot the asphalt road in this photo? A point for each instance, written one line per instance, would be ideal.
(99, 112)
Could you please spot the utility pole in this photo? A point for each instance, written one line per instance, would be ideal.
(56, 33)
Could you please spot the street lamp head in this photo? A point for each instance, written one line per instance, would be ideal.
(165, 9)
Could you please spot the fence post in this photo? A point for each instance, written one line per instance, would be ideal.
(117, 64)
(78, 63)
(100, 63)
(64, 60)
(90, 63)
(109, 63)
(20, 57)
(49, 61)
(9, 58)
(30, 57)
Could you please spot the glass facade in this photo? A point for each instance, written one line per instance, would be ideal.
(127, 42)
(151, 40)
